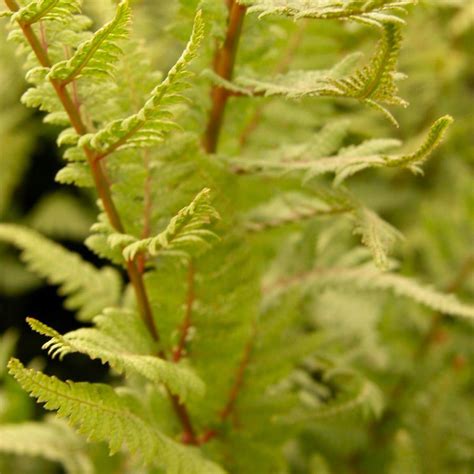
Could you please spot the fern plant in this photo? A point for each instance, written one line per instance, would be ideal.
(239, 255)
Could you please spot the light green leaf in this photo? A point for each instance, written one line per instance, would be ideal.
(186, 234)
(53, 441)
(96, 56)
(87, 289)
(101, 414)
(123, 353)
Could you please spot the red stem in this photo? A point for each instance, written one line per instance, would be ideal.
(178, 353)
(100, 180)
(223, 66)
(239, 378)
(103, 190)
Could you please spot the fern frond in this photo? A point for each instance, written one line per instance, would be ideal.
(346, 165)
(185, 235)
(51, 441)
(148, 126)
(290, 208)
(370, 278)
(367, 397)
(374, 11)
(101, 414)
(433, 139)
(77, 174)
(87, 289)
(42, 10)
(373, 84)
(376, 234)
(96, 56)
(121, 356)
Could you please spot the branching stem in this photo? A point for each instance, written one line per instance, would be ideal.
(100, 180)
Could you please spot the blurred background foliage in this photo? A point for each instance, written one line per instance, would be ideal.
(423, 365)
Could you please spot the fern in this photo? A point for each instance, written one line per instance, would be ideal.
(147, 127)
(43, 10)
(87, 406)
(254, 333)
(367, 278)
(101, 344)
(366, 396)
(373, 84)
(96, 56)
(51, 441)
(373, 12)
(86, 288)
(185, 234)
(376, 234)
(346, 165)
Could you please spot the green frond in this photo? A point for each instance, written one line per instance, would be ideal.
(42, 10)
(96, 56)
(120, 354)
(435, 136)
(369, 278)
(376, 82)
(86, 288)
(349, 161)
(52, 441)
(78, 174)
(186, 234)
(367, 398)
(376, 234)
(102, 414)
(373, 84)
(373, 12)
(148, 126)
(290, 208)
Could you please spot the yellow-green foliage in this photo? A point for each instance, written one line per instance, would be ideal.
(255, 316)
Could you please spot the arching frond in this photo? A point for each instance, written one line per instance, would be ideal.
(87, 289)
(369, 278)
(53, 441)
(148, 126)
(373, 84)
(373, 12)
(101, 414)
(122, 355)
(96, 56)
(42, 10)
(186, 234)
(346, 165)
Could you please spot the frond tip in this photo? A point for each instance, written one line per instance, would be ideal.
(373, 84)
(149, 125)
(103, 344)
(96, 56)
(186, 234)
(435, 136)
(43, 10)
(353, 160)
